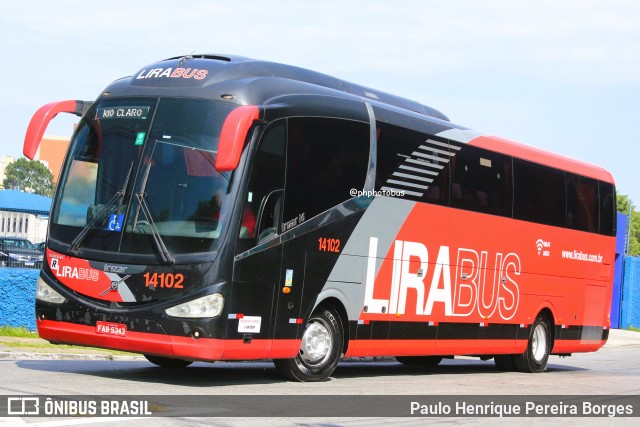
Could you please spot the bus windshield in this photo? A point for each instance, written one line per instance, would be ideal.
(140, 179)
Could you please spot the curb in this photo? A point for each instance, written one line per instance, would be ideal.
(21, 355)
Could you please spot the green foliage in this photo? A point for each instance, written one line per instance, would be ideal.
(623, 204)
(14, 331)
(30, 176)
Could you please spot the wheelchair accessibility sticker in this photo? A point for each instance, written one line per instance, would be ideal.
(115, 222)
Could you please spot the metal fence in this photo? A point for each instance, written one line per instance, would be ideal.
(24, 218)
(34, 263)
(21, 264)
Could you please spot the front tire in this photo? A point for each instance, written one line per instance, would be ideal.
(167, 362)
(320, 349)
(535, 357)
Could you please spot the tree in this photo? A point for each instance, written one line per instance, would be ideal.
(31, 176)
(623, 206)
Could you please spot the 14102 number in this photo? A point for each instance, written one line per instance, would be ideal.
(164, 280)
(328, 245)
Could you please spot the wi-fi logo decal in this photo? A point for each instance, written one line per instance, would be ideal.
(544, 247)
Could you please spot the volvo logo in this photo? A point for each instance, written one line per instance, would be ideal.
(114, 285)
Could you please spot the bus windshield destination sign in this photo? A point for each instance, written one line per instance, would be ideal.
(122, 113)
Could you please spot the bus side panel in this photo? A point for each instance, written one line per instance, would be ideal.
(472, 271)
(310, 259)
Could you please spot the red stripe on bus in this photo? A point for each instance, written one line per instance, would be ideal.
(527, 152)
(363, 348)
(571, 346)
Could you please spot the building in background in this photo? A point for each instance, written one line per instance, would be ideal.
(4, 162)
(51, 153)
(24, 215)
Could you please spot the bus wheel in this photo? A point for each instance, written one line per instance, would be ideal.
(534, 359)
(425, 361)
(320, 349)
(167, 362)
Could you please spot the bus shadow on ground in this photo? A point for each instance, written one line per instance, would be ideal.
(196, 375)
(446, 367)
(262, 372)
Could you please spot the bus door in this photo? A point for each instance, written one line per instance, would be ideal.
(257, 275)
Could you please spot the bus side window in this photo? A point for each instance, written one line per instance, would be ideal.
(414, 164)
(607, 202)
(266, 183)
(582, 207)
(539, 194)
(481, 181)
(326, 159)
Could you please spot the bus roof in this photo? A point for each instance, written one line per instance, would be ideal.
(246, 81)
(211, 74)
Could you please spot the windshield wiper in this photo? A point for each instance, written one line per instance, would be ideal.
(157, 238)
(143, 206)
(118, 197)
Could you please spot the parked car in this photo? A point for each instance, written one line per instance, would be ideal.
(19, 252)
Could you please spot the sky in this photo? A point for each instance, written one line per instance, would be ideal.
(561, 75)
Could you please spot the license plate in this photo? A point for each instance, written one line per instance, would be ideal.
(109, 328)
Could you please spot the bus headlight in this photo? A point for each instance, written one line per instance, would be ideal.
(46, 293)
(208, 306)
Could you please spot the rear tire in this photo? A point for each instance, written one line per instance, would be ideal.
(424, 361)
(320, 349)
(167, 362)
(535, 357)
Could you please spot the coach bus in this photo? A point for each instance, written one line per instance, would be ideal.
(222, 208)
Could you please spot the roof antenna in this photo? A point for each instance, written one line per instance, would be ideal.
(185, 59)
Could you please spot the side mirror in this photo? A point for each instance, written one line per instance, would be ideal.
(233, 136)
(41, 119)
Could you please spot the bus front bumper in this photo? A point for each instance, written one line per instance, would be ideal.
(180, 347)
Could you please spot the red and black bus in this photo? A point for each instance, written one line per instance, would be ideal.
(222, 208)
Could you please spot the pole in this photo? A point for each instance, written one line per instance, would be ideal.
(629, 227)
